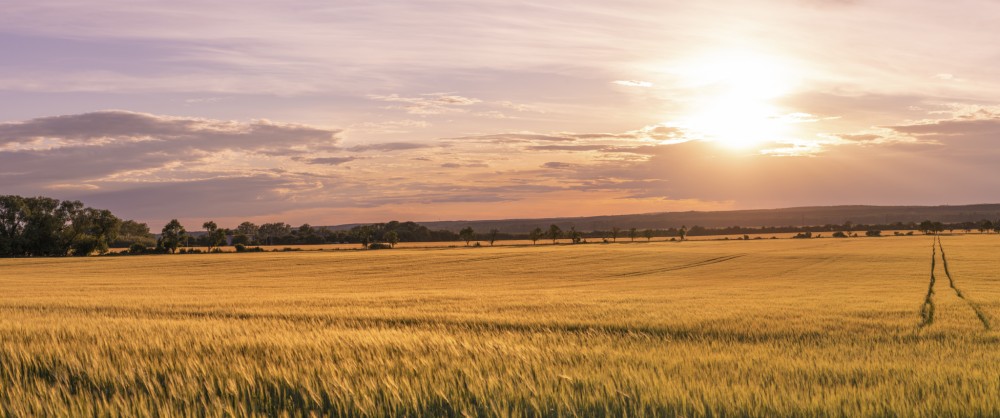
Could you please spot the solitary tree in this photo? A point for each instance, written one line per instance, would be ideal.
(632, 233)
(172, 235)
(614, 233)
(535, 235)
(683, 232)
(554, 232)
(648, 234)
(467, 235)
(493, 235)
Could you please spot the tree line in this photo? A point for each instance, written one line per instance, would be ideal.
(42, 226)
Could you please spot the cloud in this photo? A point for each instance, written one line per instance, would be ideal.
(493, 114)
(943, 129)
(229, 196)
(633, 83)
(428, 104)
(860, 137)
(388, 147)
(330, 160)
(566, 147)
(515, 137)
(391, 127)
(117, 127)
(557, 165)
(467, 165)
(519, 107)
(83, 148)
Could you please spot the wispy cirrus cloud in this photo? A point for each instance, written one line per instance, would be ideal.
(330, 160)
(389, 146)
(632, 83)
(428, 104)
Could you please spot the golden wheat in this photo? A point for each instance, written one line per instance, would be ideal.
(823, 327)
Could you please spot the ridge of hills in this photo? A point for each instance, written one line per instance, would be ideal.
(794, 216)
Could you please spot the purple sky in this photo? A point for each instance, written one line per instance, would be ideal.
(336, 112)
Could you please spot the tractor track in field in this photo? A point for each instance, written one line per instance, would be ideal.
(983, 317)
(927, 309)
(701, 263)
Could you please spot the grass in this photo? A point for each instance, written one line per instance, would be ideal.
(827, 327)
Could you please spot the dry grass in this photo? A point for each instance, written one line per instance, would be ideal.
(707, 328)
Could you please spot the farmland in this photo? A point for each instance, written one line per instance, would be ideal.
(820, 327)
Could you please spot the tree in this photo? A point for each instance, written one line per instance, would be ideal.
(215, 236)
(554, 232)
(986, 225)
(13, 219)
(132, 232)
(683, 232)
(272, 232)
(92, 230)
(648, 234)
(493, 235)
(172, 235)
(44, 232)
(929, 227)
(42, 226)
(365, 235)
(247, 229)
(632, 233)
(467, 235)
(392, 238)
(614, 233)
(535, 235)
(575, 235)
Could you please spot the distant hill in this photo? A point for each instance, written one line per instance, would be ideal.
(801, 216)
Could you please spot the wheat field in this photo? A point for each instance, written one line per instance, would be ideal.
(813, 328)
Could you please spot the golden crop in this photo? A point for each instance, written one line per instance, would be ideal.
(821, 327)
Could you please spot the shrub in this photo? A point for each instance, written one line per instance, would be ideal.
(839, 234)
(137, 249)
(383, 246)
(873, 233)
(240, 248)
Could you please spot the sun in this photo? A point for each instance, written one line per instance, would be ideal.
(733, 100)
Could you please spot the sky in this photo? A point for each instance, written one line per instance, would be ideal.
(330, 112)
